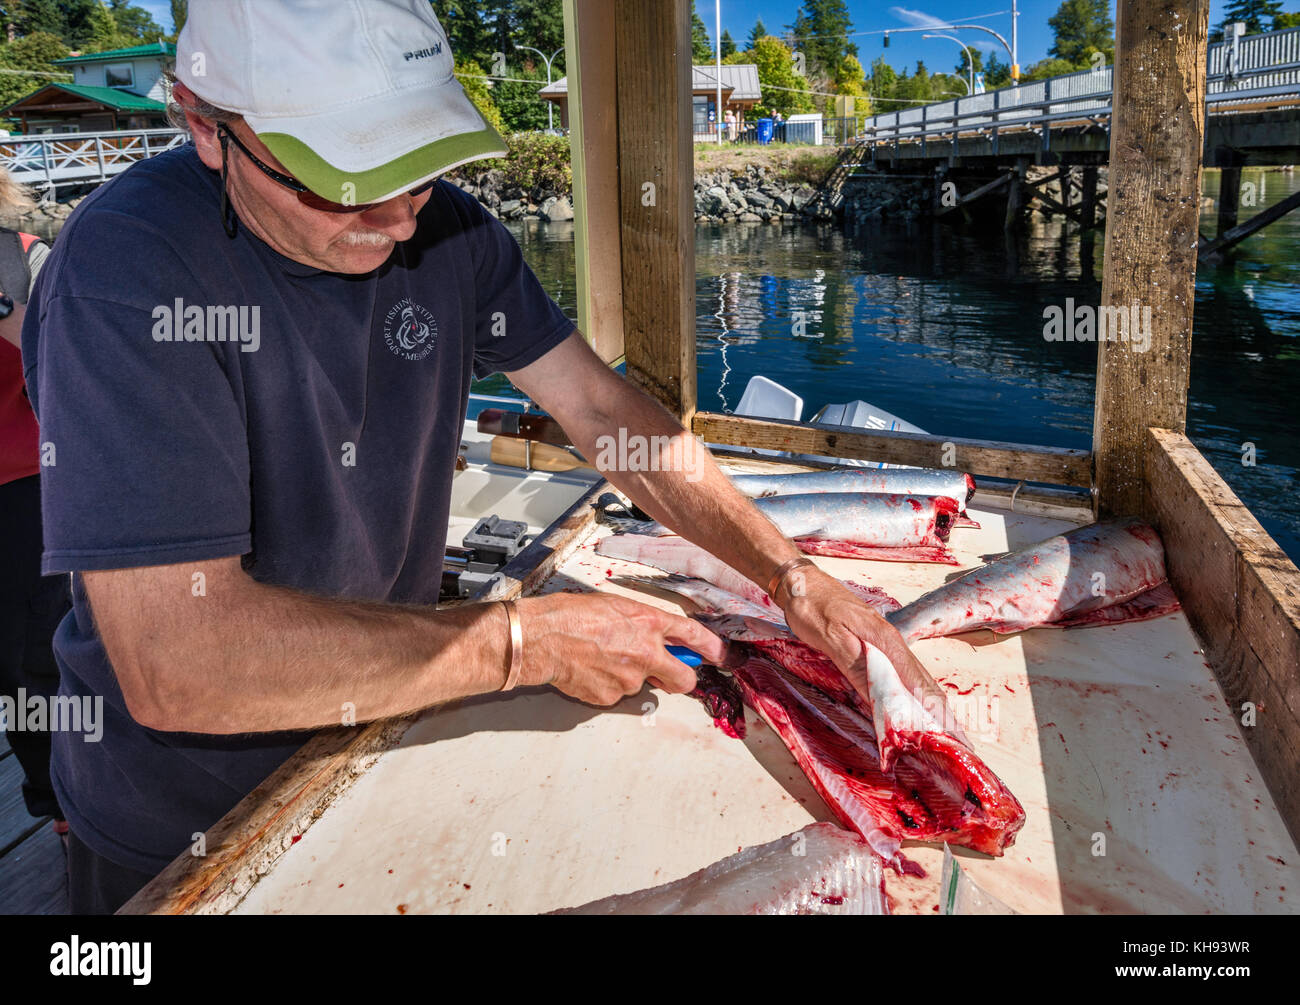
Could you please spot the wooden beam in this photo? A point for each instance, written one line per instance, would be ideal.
(1051, 465)
(1212, 249)
(978, 193)
(656, 198)
(593, 149)
(1156, 140)
(1241, 594)
(1088, 200)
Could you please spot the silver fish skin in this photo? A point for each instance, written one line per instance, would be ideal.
(851, 523)
(955, 485)
(1094, 567)
(822, 869)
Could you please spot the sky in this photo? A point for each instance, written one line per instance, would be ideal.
(738, 16)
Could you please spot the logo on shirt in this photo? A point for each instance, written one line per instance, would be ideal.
(410, 331)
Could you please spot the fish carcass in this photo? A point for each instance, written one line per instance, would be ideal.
(955, 485)
(1104, 573)
(940, 791)
(923, 782)
(680, 556)
(821, 869)
(888, 528)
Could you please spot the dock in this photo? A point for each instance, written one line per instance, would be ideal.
(33, 879)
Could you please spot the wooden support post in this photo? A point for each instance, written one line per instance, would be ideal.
(1212, 250)
(1156, 139)
(1088, 201)
(657, 200)
(1015, 199)
(1229, 162)
(593, 150)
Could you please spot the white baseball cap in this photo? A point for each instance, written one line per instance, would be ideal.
(356, 98)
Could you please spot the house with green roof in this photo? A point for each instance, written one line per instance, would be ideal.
(116, 89)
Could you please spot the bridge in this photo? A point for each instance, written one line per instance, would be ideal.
(1252, 118)
(49, 161)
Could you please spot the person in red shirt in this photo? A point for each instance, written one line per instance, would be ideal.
(31, 605)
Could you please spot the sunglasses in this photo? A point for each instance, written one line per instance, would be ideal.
(305, 195)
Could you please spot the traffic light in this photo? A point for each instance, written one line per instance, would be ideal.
(886, 40)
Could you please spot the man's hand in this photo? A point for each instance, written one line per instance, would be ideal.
(822, 613)
(600, 648)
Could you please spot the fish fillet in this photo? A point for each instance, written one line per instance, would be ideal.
(1104, 573)
(822, 869)
(680, 556)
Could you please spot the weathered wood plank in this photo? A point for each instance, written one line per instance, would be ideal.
(593, 142)
(1156, 137)
(34, 877)
(1053, 465)
(657, 199)
(1242, 596)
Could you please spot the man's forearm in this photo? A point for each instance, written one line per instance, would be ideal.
(688, 492)
(258, 658)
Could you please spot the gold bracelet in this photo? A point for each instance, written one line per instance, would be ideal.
(774, 583)
(516, 646)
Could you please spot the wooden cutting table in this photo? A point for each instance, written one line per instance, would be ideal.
(1140, 793)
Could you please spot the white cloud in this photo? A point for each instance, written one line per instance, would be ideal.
(917, 17)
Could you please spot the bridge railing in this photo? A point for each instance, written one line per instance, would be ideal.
(48, 161)
(1264, 66)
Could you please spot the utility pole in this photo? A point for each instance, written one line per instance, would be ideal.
(1015, 60)
(550, 105)
(717, 43)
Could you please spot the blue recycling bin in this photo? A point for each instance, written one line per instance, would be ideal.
(765, 130)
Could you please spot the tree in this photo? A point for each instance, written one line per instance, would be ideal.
(1281, 21)
(821, 28)
(471, 77)
(755, 33)
(1254, 14)
(34, 52)
(539, 23)
(998, 73)
(469, 37)
(521, 108)
(728, 44)
(32, 16)
(1082, 27)
(180, 11)
(104, 32)
(701, 47)
(135, 23)
(776, 70)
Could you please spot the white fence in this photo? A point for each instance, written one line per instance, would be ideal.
(49, 161)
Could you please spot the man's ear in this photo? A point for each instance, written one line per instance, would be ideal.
(203, 130)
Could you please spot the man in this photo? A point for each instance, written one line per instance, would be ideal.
(256, 521)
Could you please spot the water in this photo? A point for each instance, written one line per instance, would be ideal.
(945, 329)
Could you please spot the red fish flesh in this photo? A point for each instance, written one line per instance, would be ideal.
(938, 792)
(1104, 573)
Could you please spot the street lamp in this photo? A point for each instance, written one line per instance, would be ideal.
(550, 105)
(970, 61)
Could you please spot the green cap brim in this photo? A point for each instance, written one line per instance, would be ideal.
(387, 180)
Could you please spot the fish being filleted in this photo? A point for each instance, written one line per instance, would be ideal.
(822, 869)
(680, 556)
(1104, 573)
(955, 485)
(938, 792)
(889, 764)
(888, 528)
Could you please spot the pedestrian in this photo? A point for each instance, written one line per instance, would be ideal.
(31, 604)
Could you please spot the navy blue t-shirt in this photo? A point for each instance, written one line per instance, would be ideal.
(315, 435)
